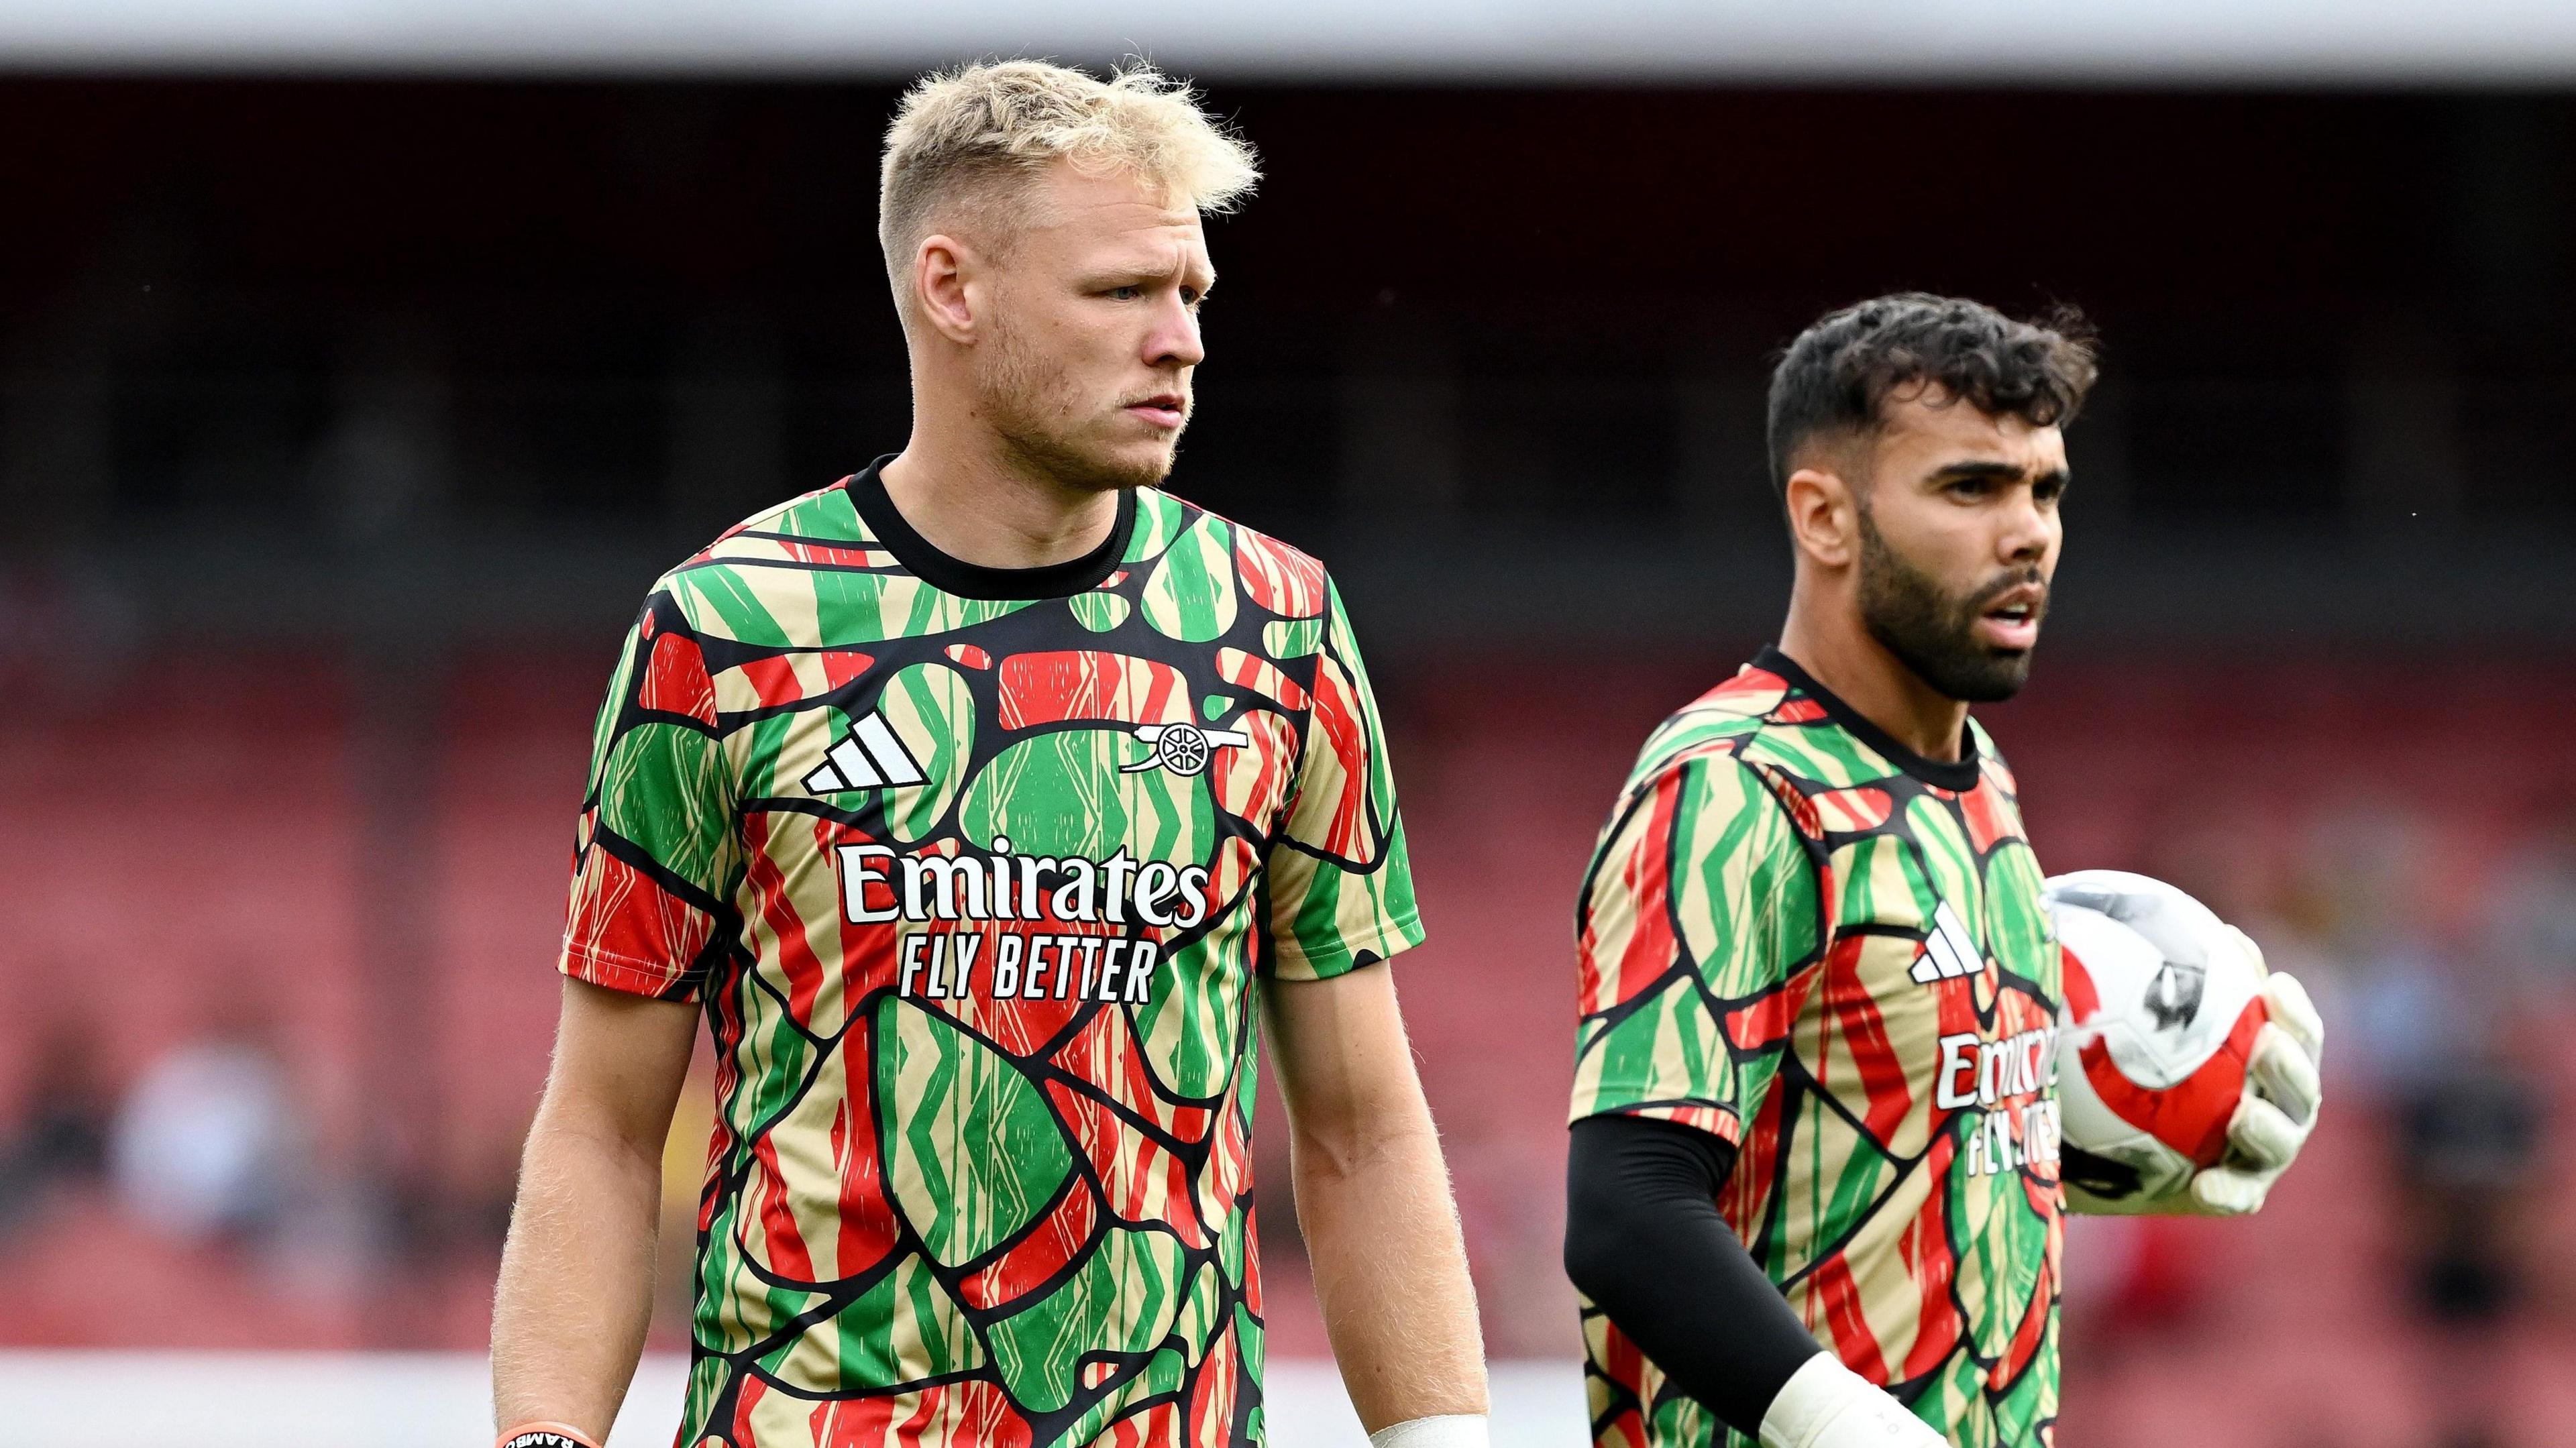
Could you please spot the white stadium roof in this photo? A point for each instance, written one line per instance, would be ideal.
(2296, 42)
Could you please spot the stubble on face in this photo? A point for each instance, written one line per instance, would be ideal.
(1044, 380)
(1040, 416)
(1932, 631)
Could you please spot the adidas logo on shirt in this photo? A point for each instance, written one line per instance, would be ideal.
(868, 757)
(1949, 952)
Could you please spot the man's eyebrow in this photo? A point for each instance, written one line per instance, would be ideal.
(1151, 269)
(2000, 471)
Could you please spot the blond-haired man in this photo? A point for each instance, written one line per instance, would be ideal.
(974, 800)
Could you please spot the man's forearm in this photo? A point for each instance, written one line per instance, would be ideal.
(576, 1288)
(1644, 1242)
(1391, 1274)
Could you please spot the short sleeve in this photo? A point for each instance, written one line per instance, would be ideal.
(654, 859)
(1695, 929)
(1341, 889)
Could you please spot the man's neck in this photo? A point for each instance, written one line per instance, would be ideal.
(972, 504)
(1840, 654)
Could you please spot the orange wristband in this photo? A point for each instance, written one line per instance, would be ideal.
(543, 1435)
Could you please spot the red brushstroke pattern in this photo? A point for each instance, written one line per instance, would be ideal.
(1261, 677)
(675, 681)
(623, 920)
(1278, 577)
(775, 680)
(1086, 684)
(1337, 718)
(1651, 949)
(1258, 792)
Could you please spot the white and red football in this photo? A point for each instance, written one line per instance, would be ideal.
(2162, 1003)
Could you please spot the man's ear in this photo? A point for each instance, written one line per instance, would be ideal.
(1824, 515)
(946, 285)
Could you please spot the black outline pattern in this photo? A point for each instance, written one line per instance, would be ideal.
(728, 978)
(1794, 1092)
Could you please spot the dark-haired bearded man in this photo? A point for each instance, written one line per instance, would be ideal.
(1813, 900)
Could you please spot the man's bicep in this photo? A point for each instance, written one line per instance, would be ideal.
(620, 1060)
(1340, 1047)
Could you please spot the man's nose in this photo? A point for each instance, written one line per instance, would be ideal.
(2026, 529)
(1174, 340)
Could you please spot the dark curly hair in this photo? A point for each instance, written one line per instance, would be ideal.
(1838, 375)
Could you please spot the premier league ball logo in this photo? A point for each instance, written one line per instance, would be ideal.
(2173, 997)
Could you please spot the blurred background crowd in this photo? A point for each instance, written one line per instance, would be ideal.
(344, 422)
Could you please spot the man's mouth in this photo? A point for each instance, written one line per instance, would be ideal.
(2011, 620)
(1162, 409)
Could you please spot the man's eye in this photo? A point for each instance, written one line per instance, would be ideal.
(1126, 294)
(1191, 296)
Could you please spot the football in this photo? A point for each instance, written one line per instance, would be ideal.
(2162, 1001)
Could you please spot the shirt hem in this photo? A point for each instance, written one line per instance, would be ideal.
(1386, 943)
(1721, 1122)
(623, 973)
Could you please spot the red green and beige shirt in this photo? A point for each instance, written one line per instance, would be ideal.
(1832, 953)
(975, 873)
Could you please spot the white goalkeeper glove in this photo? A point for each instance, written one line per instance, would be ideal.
(2279, 1109)
(1827, 1405)
(1446, 1430)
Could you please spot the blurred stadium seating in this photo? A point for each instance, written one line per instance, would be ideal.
(179, 849)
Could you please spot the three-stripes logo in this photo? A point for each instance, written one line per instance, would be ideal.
(868, 757)
(1949, 952)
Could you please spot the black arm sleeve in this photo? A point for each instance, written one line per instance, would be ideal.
(1644, 1242)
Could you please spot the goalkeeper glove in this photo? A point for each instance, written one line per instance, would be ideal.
(2279, 1108)
(1445, 1430)
(543, 1435)
(1827, 1405)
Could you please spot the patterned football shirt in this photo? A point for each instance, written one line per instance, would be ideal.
(1816, 945)
(977, 873)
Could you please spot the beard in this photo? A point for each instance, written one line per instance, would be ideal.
(1932, 631)
(1042, 419)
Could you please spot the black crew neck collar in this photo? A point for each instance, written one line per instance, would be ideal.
(1959, 775)
(924, 561)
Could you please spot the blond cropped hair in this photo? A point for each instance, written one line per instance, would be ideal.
(964, 143)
